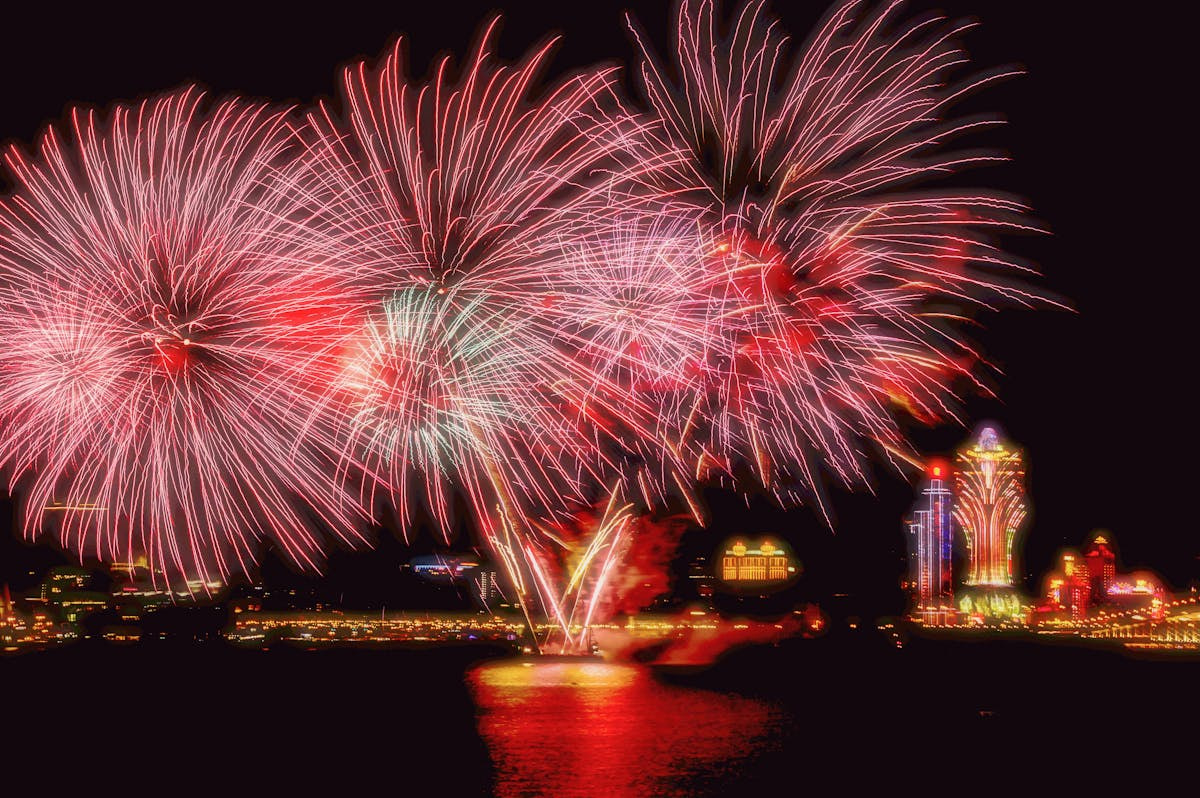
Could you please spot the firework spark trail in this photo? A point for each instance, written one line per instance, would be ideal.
(158, 340)
(456, 202)
(834, 278)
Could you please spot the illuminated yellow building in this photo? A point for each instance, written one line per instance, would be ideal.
(767, 563)
(990, 507)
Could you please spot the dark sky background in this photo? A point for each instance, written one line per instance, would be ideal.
(1100, 398)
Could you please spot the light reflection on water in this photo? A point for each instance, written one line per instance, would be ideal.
(592, 728)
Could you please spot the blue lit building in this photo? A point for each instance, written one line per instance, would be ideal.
(930, 545)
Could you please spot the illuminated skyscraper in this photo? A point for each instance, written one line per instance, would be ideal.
(1074, 592)
(989, 504)
(488, 586)
(930, 543)
(1102, 568)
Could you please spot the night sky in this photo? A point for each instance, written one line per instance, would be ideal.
(1099, 398)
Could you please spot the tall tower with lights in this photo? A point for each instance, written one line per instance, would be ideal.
(930, 543)
(990, 507)
(1102, 568)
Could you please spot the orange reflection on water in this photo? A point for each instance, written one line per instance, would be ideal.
(591, 728)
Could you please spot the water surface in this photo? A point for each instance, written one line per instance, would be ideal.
(593, 728)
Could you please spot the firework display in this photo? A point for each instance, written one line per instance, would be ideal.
(226, 325)
(159, 341)
(462, 206)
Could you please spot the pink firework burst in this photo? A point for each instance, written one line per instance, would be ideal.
(458, 203)
(837, 282)
(161, 335)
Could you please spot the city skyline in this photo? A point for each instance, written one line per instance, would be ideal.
(930, 499)
(941, 578)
